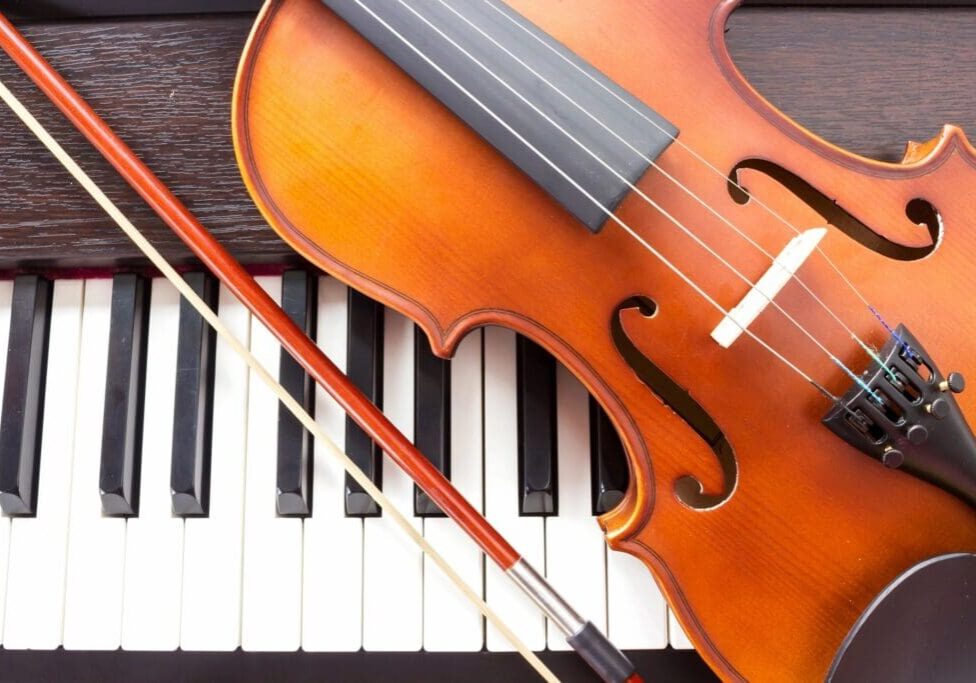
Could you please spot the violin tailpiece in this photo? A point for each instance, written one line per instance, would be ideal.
(910, 419)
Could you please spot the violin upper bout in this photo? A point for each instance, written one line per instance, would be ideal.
(949, 140)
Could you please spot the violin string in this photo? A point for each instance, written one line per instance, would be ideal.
(651, 202)
(668, 175)
(698, 157)
(296, 409)
(610, 214)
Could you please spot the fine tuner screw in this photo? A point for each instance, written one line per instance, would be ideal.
(917, 435)
(955, 383)
(892, 458)
(939, 408)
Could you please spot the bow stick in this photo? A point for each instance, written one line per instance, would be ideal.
(255, 365)
(605, 659)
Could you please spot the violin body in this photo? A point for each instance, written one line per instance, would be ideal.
(770, 546)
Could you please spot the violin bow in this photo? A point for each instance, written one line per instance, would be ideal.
(583, 636)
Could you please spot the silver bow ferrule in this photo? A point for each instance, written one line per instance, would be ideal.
(594, 647)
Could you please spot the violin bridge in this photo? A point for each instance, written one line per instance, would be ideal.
(781, 271)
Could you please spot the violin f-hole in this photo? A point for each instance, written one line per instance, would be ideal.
(918, 211)
(687, 489)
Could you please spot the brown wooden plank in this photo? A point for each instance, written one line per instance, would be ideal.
(866, 79)
(165, 86)
(60, 9)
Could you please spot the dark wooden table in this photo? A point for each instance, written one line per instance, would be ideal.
(866, 78)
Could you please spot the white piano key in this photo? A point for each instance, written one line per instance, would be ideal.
(212, 545)
(575, 547)
(272, 588)
(154, 539)
(38, 545)
(96, 544)
(676, 634)
(526, 534)
(451, 622)
(332, 595)
(392, 564)
(6, 295)
(636, 611)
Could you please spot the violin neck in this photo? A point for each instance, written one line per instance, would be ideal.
(534, 100)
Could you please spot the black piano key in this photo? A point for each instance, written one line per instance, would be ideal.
(124, 388)
(609, 472)
(294, 487)
(23, 395)
(364, 366)
(536, 429)
(193, 405)
(431, 417)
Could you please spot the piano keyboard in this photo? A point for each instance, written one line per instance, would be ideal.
(154, 496)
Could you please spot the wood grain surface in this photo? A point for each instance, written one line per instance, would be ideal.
(867, 79)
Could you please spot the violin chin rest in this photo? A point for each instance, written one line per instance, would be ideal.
(921, 627)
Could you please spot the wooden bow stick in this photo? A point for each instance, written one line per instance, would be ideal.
(582, 635)
(290, 403)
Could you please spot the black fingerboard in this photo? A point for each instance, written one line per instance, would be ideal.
(577, 134)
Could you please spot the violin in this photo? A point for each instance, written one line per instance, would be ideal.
(779, 329)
